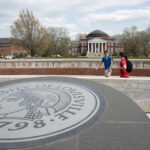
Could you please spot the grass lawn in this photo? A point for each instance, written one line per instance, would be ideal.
(61, 57)
(114, 57)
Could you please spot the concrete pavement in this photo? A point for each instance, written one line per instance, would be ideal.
(103, 119)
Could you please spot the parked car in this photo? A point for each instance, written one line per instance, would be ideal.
(10, 57)
(29, 56)
(57, 55)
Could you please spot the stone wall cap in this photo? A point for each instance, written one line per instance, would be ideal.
(77, 76)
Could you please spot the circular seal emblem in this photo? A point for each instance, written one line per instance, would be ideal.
(32, 111)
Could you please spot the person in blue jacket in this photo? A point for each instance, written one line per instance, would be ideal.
(107, 60)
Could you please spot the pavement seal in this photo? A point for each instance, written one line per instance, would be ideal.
(37, 111)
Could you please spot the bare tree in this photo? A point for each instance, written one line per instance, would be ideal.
(144, 43)
(148, 32)
(135, 42)
(148, 45)
(130, 40)
(28, 32)
(59, 40)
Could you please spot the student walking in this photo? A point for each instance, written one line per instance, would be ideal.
(107, 60)
(123, 66)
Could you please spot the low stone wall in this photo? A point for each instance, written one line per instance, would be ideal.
(67, 67)
(66, 63)
(137, 89)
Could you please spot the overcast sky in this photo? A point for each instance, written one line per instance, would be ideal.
(79, 16)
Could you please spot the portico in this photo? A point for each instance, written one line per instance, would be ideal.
(97, 47)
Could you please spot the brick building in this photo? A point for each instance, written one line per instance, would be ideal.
(6, 48)
(94, 45)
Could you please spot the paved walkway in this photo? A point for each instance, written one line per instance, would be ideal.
(59, 113)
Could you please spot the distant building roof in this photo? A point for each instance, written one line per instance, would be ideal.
(97, 33)
(4, 40)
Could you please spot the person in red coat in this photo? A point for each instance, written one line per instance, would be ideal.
(123, 66)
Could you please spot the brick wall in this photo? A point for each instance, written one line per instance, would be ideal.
(5, 50)
(10, 50)
(67, 71)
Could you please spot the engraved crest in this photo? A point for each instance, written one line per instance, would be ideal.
(37, 110)
(34, 102)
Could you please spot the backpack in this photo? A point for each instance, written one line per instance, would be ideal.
(129, 66)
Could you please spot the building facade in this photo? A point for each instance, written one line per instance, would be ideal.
(6, 48)
(95, 44)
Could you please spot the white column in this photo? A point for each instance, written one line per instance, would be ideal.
(108, 47)
(88, 48)
(92, 47)
(95, 47)
(98, 47)
(102, 47)
(105, 46)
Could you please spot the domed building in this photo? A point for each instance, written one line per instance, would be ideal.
(97, 33)
(95, 44)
